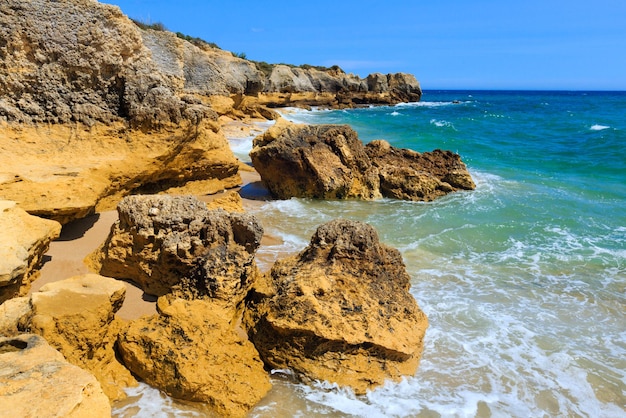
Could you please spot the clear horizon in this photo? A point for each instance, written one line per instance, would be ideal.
(451, 45)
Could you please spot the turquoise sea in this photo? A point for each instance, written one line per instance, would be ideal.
(523, 279)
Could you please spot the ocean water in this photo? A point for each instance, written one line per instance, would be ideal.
(523, 280)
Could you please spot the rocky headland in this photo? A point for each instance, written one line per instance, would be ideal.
(99, 112)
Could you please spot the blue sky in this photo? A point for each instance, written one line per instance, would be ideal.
(446, 44)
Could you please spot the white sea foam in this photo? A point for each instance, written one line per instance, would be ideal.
(431, 104)
(241, 147)
(146, 401)
(598, 127)
(395, 113)
(442, 124)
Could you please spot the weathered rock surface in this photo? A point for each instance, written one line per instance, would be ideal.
(166, 242)
(201, 69)
(339, 311)
(95, 65)
(78, 61)
(110, 117)
(409, 175)
(11, 312)
(330, 162)
(24, 239)
(36, 381)
(77, 317)
(317, 161)
(195, 350)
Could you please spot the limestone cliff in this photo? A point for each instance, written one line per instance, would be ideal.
(90, 114)
(93, 107)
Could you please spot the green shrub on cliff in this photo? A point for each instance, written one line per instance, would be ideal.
(145, 25)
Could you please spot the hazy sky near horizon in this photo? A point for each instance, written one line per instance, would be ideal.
(446, 44)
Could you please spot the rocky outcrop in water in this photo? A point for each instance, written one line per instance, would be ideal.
(409, 175)
(330, 162)
(319, 161)
(77, 317)
(24, 239)
(167, 242)
(339, 311)
(36, 381)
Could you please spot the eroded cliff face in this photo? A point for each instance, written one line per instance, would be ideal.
(76, 61)
(89, 113)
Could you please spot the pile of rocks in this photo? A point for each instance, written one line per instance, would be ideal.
(339, 311)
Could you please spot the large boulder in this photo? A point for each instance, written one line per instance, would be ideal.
(201, 263)
(77, 317)
(164, 242)
(36, 381)
(339, 311)
(194, 350)
(330, 162)
(316, 161)
(24, 239)
(409, 175)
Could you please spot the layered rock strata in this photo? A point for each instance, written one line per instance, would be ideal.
(68, 172)
(24, 239)
(339, 311)
(36, 381)
(330, 162)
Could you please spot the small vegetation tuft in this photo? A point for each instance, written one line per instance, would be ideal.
(145, 25)
(267, 68)
(199, 42)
